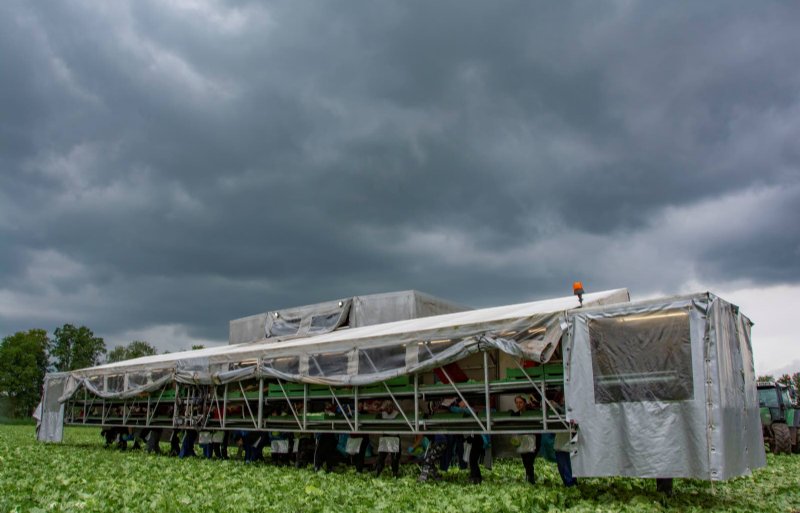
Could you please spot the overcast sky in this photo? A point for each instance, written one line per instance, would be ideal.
(167, 166)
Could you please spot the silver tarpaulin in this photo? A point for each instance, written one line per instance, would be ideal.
(52, 412)
(663, 389)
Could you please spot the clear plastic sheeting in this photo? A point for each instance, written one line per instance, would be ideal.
(642, 357)
(357, 355)
(307, 320)
(648, 400)
(76, 382)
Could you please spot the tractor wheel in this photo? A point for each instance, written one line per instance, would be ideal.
(782, 440)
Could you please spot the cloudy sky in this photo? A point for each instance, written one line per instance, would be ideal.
(166, 166)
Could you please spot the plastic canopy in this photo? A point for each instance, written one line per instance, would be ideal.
(353, 356)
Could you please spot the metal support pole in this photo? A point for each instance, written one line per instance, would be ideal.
(225, 405)
(542, 403)
(544, 398)
(155, 408)
(355, 404)
(85, 400)
(486, 389)
(216, 404)
(175, 406)
(394, 399)
(291, 406)
(341, 408)
(305, 405)
(416, 402)
(247, 403)
(260, 402)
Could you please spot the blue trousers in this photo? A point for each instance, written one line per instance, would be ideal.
(189, 438)
(565, 468)
(453, 449)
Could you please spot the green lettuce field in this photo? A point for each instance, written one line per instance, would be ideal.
(80, 475)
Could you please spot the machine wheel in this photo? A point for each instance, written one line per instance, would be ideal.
(664, 485)
(781, 439)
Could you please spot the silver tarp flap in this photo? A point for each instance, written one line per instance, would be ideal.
(216, 378)
(541, 350)
(737, 446)
(76, 383)
(52, 420)
(640, 407)
(756, 457)
(307, 320)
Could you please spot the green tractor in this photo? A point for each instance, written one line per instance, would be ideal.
(780, 418)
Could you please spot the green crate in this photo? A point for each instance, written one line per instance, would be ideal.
(442, 415)
(237, 394)
(399, 381)
(292, 389)
(554, 370)
(517, 373)
(318, 417)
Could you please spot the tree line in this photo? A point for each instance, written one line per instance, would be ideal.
(26, 356)
(786, 379)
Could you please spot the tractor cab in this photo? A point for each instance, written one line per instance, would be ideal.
(779, 417)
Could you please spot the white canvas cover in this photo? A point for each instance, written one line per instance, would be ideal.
(355, 356)
(51, 427)
(398, 306)
(671, 395)
(354, 312)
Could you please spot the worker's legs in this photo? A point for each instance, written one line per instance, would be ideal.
(475, 452)
(187, 447)
(224, 446)
(175, 443)
(434, 454)
(380, 463)
(153, 440)
(565, 468)
(362, 453)
(528, 459)
(396, 462)
(326, 452)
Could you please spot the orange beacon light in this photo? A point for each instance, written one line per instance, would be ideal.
(577, 289)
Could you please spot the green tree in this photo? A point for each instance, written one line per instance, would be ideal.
(785, 380)
(135, 349)
(195, 347)
(796, 381)
(76, 348)
(118, 354)
(23, 363)
(766, 377)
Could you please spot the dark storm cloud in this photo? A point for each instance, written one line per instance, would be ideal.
(185, 163)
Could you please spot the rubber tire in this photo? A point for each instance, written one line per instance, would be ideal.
(664, 486)
(782, 440)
